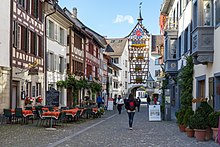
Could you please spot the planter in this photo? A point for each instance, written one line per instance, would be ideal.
(208, 135)
(215, 132)
(200, 134)
(189, 132)
(182, 128)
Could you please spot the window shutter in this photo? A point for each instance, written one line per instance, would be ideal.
(32, 7)
(27, 6)
(52, 62)
(15, 34)
(47, 29)
(65, 37)
(64, 65)
(40, 15)
(40, 47)
(48, 62)
(55, 32)
(57, 65)
(58, 34)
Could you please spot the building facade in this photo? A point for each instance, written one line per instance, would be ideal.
(5, 64)
(58, 26)
(27, 51)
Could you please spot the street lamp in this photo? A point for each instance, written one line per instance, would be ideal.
(51, 9)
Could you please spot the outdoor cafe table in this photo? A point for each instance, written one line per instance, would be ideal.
(71, 112)
(26, 113)
(51, 115)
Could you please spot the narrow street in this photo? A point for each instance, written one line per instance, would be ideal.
(110, 131)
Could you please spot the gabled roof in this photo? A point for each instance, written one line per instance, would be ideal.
(117, 45)
(99, 38)
(108, 48)
(138, 23)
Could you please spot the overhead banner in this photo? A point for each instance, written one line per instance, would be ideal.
(154, 113)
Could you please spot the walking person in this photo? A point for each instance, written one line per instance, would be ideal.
(148, 100)
(130, 106)
(138, 101)
(99, 101)
(120, 103)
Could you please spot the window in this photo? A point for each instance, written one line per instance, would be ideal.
(157, 73)
(50, 61)
(77, 41)
(28, 89)
(156, 61)
(22, 3)
(38, 89)
(51, 29)
(36, 9)
(186, 40)
(91, 48)
(19, 37)
(126, 85)
(207, 10)
(126, 63)
(126, 74)
(172, 49)
(217, 12)
(179, 47)
(195, 12)
(115, 60)
(61, 64)
(116, 85)
(34, 43)
(62, 36)
(40, 46)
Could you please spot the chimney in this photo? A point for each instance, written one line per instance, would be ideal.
(74, 14)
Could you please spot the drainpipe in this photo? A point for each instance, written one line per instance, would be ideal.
(11, 48)
(45, 49)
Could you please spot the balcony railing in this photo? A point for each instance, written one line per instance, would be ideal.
(203, 45)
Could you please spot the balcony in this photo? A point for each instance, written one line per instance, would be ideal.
(203, 45)
(171, 67)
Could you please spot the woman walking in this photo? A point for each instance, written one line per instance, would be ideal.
(130, 105)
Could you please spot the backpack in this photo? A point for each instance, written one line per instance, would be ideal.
(131, 105)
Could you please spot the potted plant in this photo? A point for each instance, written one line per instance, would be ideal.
(180, 115)
(188, 129)
(213, 122)
(199, 122)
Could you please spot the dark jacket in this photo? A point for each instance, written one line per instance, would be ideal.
(127, 104)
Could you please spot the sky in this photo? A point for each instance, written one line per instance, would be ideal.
(116, 18)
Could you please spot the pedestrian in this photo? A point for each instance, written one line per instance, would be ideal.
(130, 106)
(148, 100)
(99, 101)
(155, 100)
(138, 101)
(120, 103)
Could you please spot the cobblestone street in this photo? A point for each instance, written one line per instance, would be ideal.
(110, 130)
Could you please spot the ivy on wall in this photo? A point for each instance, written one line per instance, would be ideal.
(185, 80)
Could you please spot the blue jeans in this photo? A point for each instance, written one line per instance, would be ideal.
(131, 117)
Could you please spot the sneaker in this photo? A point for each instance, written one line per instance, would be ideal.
(131, 128)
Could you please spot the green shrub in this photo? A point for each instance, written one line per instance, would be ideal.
(180, 115)
(213, 119)
(188, 114)
(197, 121)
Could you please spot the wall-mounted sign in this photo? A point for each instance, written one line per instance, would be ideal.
(33, 71)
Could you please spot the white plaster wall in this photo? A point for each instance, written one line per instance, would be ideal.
(122, 78)
(5, 33)
(210, 69)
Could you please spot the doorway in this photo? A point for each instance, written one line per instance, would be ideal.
(15, 96)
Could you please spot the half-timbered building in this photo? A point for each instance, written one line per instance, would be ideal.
(27, 51)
